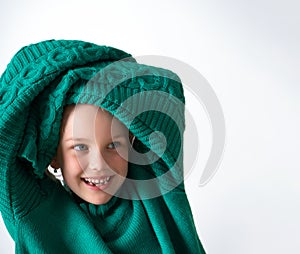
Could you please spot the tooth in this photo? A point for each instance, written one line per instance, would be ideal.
(107, 178)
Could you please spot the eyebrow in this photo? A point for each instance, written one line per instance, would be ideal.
(119, 136)
(77, 139)
(87, 140)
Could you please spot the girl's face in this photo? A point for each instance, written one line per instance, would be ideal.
(92, 153)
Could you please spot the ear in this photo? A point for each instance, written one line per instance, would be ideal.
(131, 138)
(54, 163)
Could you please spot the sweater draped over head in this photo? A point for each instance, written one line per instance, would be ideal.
(38, 83)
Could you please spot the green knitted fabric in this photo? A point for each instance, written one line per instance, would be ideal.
(151, 213)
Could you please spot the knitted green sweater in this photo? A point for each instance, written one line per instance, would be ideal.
(151, 213)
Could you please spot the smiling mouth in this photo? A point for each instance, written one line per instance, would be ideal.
(97, 181)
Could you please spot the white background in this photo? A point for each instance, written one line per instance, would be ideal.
(249, 53)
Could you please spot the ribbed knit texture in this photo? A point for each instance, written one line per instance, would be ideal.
(150, 217)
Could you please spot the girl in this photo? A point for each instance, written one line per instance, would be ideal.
(114, 127)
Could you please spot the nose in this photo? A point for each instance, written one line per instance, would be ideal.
(97, 162)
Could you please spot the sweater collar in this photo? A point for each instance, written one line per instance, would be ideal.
(100, 210)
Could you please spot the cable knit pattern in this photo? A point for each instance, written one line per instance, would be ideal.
(40, 215)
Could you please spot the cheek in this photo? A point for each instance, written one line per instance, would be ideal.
(124, 167)
(120, 165)
(71, 166)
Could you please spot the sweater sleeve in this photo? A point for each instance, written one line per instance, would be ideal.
(19, 189)
(20, 84)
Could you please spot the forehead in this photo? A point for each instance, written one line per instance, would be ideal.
(88, 120)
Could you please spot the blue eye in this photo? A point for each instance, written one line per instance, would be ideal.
(80, 147)
(114, 145)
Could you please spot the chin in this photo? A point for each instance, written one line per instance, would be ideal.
(102, 201)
